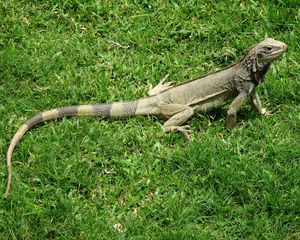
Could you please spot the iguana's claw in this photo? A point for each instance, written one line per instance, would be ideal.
(230, 121)
(265, 112)
(186, 130)
(160, 87)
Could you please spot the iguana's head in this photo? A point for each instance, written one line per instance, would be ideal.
(259, 57)
(268, 50)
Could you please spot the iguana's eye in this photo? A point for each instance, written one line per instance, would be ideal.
(268, 48)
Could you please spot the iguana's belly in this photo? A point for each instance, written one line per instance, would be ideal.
(214, 104)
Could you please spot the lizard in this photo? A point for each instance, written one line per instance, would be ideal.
(230, 85)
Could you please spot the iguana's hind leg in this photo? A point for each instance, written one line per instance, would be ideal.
(179, 115)
(160, 87)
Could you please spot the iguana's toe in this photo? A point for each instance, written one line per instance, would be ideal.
(265, 112)
(160, 87)
(230, 121)
(186, 130)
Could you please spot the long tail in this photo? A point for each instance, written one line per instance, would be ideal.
(121, 109)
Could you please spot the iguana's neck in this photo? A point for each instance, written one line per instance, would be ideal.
(254, 68)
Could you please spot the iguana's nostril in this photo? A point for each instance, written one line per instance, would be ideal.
(284, 46)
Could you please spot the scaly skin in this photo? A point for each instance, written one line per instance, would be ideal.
(230, 85)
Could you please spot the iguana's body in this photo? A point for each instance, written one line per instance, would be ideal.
(178, 103)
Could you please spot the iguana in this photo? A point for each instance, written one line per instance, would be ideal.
(230, 85)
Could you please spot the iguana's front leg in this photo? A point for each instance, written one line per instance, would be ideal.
(256, 103)
(234, 107)
(160, 87)
(179, 115)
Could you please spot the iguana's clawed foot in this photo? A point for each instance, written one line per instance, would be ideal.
(265, 112)
(185, 129)
(231, 118)
(162, 86)
(230, 121)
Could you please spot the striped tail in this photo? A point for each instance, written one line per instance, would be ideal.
(121, 109)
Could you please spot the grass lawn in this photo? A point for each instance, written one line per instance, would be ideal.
(85, 178)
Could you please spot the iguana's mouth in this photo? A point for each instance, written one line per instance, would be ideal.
(278, 53)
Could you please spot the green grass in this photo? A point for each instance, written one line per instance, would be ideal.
(83, 178)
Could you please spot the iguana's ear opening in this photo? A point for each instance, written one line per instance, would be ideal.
(259, 55)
